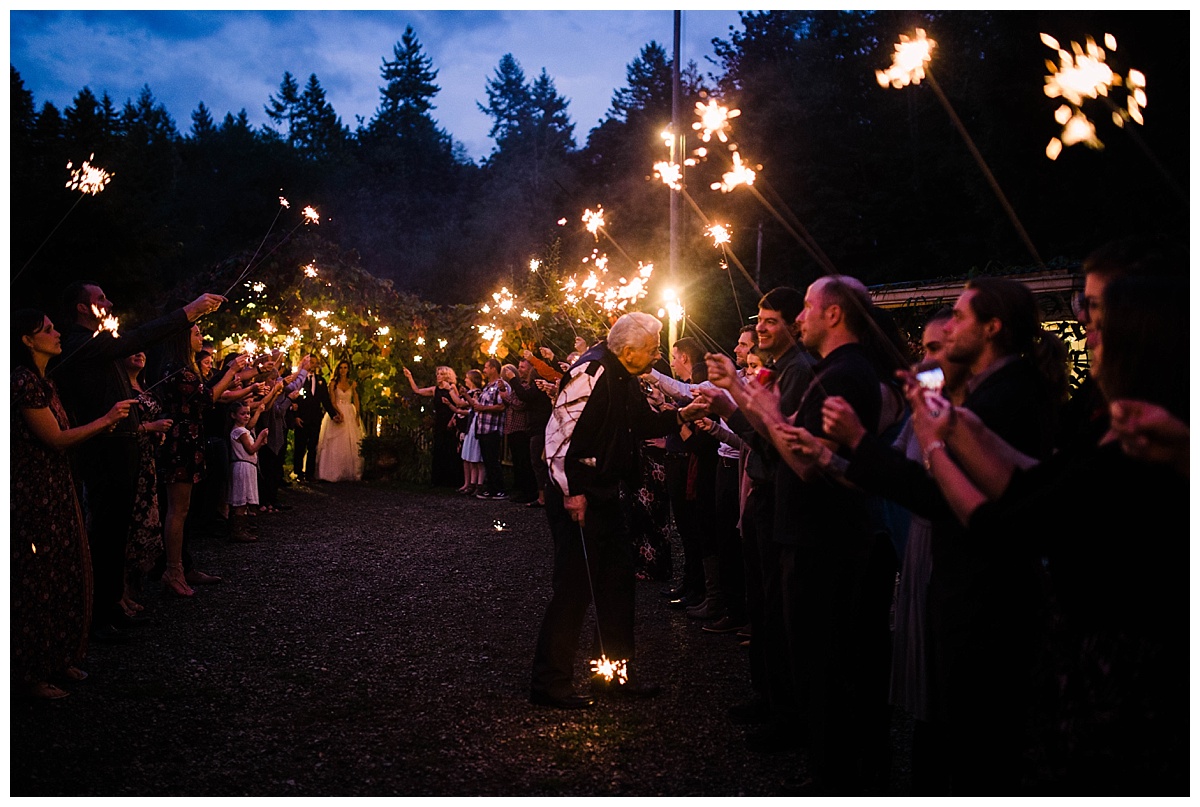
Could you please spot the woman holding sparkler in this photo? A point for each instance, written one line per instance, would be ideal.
(445, 469)
(186, 398)
(338, 457)
(51, 577)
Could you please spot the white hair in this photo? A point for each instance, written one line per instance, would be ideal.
(632, 330)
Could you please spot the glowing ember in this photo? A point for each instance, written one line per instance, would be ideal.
(499, 526)
(442, 344)
(562, 222)
(88, 179)
(534, 263)
(533, 315)
(714, 119)
(594, 221)
(719, 234)
(267, 326)
(741, 174)
(383, 330)
(1082, 73)
(670, 173)
(417, 359)
(107, 323)
(908, 62)
(610, 669)
(420, 340)
(259, 287)
(310, 270)
(284, 202)
(249, 347)
(311, 215)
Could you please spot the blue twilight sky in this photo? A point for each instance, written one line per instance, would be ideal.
(235, 59)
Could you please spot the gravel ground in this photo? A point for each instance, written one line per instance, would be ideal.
(376, 641)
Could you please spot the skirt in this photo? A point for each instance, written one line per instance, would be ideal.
(470, 450)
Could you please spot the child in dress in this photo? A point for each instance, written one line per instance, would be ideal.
(243, 470)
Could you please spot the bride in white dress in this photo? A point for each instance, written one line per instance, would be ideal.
(338, 457)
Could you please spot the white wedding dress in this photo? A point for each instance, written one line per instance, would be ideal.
(338, 457)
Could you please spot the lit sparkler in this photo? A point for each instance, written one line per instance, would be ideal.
(442, 344)
(310, 270)
(719, 233)
(908, 62)
(311, 216)
(594, 221)
(714, 119)
(610, 669)
(1083, 73)
(88, 179)
(499, 526)
(107, 322)
(562, 222)
(741, 174)
(266, 326)
(670, 173)
(284, 202)
(534, 264)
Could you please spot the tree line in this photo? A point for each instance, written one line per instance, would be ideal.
(880, 179)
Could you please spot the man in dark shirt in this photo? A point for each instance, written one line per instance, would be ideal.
(91, 377)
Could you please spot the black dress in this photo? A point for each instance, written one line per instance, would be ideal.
(186, 399)
(446, 468)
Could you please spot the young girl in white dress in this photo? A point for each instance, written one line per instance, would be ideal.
(471, 454)
(243, 470)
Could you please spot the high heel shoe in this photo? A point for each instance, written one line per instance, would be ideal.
(174, 582)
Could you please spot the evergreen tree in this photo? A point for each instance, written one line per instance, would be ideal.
(203, 127)
(510, 102)
(282, 108)
(316, 130)
(21, 109)
(407, 98)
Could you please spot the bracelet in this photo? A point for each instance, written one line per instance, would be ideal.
(928, 453)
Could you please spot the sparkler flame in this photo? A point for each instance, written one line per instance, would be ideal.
(1081, 74)
(267, 326)
(107, 322)
(714, 119)
(311, 215)
(442, 344)
(608, 669)
(534, 263)
(594, 221)
(670, 173)
(908, 62)
(259, 287)
(310, 270)
(719, 234)
(284, 202)
(741, 174)
(88, 179)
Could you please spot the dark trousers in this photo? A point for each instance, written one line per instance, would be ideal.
(610, 561)
(770, 668)
(838, 598)
(728, 539)
(109, 467)
(306, 445)
(270, 475)
(490, 445)
(537, 447)
(523, 481)
(685, 522)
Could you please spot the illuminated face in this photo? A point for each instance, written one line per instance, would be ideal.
(197, 339)
(680, 366)
(1091, 312)
(774, 334)
(965, 336)
(136, 361)
(339, 372)
(746, 340)
(45, 340)
(206, 364)
(753, 364)
(813, 328)
(933, 340)
(638, 360)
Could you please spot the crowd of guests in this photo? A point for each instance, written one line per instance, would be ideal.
(949, 534)
(125, 448)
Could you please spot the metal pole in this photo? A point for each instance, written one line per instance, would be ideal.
(677, 150)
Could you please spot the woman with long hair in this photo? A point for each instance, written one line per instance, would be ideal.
(51, 570)
(186, 399)
(338, 457)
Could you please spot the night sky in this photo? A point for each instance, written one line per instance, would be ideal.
(233, 60)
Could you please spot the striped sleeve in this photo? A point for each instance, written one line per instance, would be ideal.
(573, 396)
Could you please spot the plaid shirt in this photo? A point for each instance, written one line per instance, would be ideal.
(490, 422)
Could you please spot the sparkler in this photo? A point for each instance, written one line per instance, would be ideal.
(89, 180)
(670, 173)
(107, 322)
(606, 668)
(594, 221)
(308, 215)
(914, 55)
(714, 119)
(740, 174)
(310, 270)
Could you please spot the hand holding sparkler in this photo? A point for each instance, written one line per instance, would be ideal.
(119, 411)
(840, 422)
(576, 507)
(204, 304)
(161, 426)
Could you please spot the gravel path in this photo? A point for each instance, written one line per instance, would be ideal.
(376, 641)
